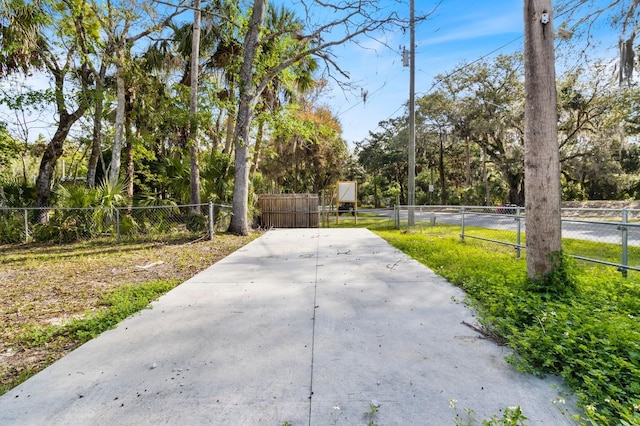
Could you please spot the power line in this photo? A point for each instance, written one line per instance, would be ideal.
(467, 65)
(439, 80)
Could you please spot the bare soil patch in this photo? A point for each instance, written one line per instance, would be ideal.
(50, 284)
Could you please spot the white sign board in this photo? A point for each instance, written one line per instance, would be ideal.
(347, 192)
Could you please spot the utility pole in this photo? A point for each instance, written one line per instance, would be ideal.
(412, 114)
(541, 156)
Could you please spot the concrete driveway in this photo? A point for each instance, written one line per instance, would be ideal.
(305, 326)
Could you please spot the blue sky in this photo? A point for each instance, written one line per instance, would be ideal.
(458, 31)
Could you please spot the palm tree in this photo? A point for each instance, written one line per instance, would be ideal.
(286, 86)
(183, 53)
(21, 26)
(194, 180)
(25, 46)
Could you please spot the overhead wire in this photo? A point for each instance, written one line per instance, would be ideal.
(451, 74)
(437, 80)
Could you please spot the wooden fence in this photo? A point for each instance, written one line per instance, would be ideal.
(288, 210)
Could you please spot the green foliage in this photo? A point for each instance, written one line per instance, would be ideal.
(85, 213)
(18, 194)
(589, 335)
(174, 174)
(511, 416)
(217, 178)
(11, 230)
(560, 281)
(27, 99)
(128, 226)
(197, 223)
(64, 227)
(118, 305)
(371, 415)
(7, 147)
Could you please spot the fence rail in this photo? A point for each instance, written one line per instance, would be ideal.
(605, 236)
(67, 224)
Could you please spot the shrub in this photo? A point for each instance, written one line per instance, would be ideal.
(129, 226)
(11, 230)
(65, 228)
(197, 223)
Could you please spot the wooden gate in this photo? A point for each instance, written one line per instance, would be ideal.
(288, 210)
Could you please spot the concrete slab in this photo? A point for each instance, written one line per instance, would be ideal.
(287, 329)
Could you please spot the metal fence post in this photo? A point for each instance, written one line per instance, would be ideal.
(518, 233)
(462, 223)
(321, 211)
(210, 220)
(26, 225)
(625, 240)
(396, 216)
(117, 224)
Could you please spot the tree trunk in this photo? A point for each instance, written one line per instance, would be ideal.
(114, 167)
(239, 221)
(485, 179)
(376, 200)
(228, 142)
(467, 163)
(257, 148)
(443, 186)
(52, 153)
(194, 181)
(128, 152)
(96, 142)
(541, 156)
(3, 200)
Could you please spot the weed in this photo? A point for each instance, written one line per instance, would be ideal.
(11, 231)
(511, 416)
(336, 414)
(371, 415)
(560, 281)
(197, 223)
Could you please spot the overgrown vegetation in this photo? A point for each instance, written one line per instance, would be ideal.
(588, 334)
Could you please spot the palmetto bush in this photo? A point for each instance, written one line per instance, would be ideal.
(83, 213)
(11, 230)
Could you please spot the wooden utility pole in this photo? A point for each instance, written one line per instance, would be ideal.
(412, 115)
(541, 156)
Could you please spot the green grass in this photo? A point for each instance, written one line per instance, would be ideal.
(589, 334)
(117, 305)
(58, 297)
(602, 251)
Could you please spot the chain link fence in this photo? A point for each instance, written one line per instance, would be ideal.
(65, 225)
(606, 236)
